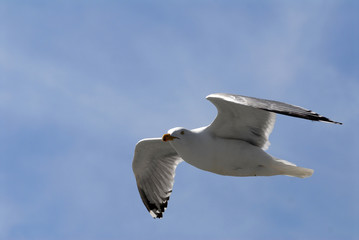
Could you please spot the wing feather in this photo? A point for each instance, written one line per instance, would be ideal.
(252, 119)
(154, 166)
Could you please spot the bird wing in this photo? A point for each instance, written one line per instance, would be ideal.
(252, 119)
(154, 166)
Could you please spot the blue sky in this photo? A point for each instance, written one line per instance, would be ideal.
(82, 81)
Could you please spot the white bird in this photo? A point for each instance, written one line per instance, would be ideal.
(233, 145)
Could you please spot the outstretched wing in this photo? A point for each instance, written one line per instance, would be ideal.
(154, 166)
(252, 119)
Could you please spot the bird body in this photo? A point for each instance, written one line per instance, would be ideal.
(244, 159)
(233, 144)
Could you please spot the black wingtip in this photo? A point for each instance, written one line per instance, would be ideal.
(339, 123)
(325, 119)
(153, 209)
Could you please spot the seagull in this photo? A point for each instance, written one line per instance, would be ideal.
(233, 144)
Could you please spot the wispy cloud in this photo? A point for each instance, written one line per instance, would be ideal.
(80, 84)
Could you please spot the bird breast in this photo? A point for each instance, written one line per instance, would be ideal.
(223, 156)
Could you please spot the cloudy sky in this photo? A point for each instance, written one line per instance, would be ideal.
(82, 81)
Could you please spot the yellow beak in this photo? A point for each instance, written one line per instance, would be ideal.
(168, 137)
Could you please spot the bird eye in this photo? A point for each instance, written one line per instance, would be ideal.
(182, 132)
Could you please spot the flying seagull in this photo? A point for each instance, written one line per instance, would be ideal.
(232, 145)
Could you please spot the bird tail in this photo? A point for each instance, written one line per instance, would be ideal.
(290, 169)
